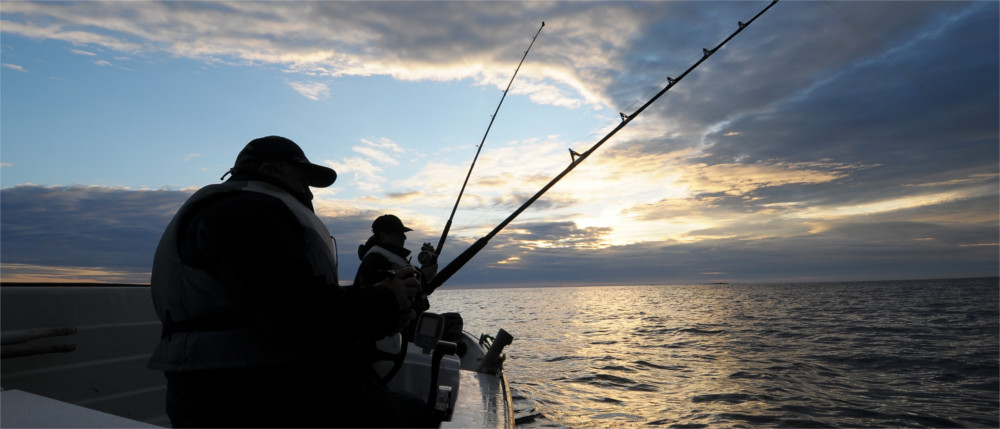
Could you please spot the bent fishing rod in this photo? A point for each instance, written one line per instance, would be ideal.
(447, 226)
(460, 261)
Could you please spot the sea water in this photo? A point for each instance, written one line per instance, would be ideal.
(861, 354)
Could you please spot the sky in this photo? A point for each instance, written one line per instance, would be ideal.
(828, 141)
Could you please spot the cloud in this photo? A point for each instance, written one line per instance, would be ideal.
(76, 37)
(742, 179)
(15, 67)
(594, 54)
(364, 174)
(311, 90)
(353, 39)
(384, 143)
(380, 151)
(534, 235)
(84, 226)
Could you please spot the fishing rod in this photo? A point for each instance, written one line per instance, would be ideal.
(467, 255)
(447, 226)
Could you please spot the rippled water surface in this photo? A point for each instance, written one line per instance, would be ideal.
(861, 354)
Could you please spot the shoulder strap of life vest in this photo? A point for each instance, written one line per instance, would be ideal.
(394, 259)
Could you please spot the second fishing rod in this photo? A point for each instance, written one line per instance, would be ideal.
(447, 226)
(463, 258)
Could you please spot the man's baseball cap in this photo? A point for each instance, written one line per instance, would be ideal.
(389, 223)
(274, 148)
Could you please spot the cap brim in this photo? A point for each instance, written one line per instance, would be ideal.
(320, 176)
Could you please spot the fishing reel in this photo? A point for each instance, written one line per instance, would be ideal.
(427, 255)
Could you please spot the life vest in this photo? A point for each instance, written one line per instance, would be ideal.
(210, 334)
(395, 260)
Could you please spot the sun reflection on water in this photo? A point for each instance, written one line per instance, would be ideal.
(746, 355)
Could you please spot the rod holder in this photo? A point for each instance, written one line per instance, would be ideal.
(495, 357)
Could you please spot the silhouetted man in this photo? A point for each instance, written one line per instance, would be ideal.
(256, 330)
